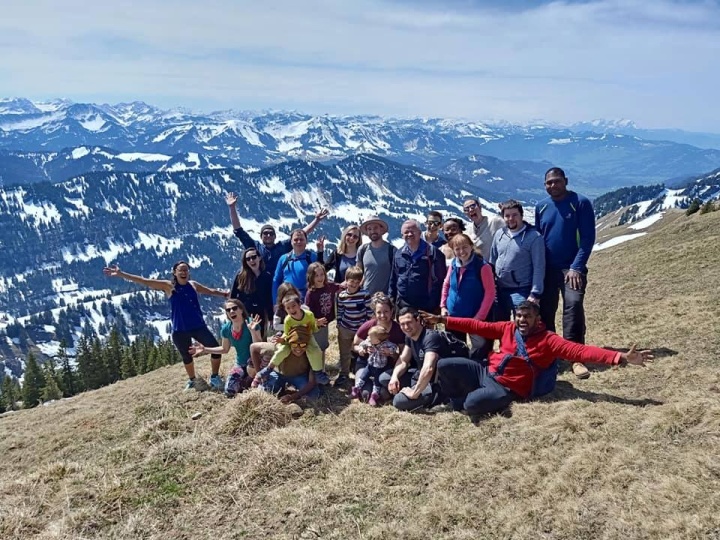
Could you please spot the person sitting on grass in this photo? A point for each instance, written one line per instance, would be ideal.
(524, 368)
(187, 318)
(379, 353)
(239, 331)
(299, 317)
(295, 371)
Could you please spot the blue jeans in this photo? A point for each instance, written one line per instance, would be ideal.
(277, 381)
(508, 300)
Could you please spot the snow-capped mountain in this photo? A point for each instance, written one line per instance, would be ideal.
(597, 156)
(646, 204)
(28, 167)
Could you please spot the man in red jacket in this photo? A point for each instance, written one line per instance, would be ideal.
(511, 373)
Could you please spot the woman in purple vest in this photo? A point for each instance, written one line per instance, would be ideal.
(187, 318)
(468, 290)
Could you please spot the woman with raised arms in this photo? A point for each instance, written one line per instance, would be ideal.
(186, 315)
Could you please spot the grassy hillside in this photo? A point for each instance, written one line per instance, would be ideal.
(629, 453)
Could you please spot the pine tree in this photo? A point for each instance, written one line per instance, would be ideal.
(694, 207)
(10, 392)
(707, 208)
(113, 355)
(68, 377)
(50, 390)
(34, 382)
(127, 364)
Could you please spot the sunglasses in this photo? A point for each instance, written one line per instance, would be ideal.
(433, 223)
(268, 233)
(299, 345)
(231, 309)
(470, 207)
(352, 235)
(251, 258)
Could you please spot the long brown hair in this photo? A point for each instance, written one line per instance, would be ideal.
(312, 268)
(245, 278)
(238, 304)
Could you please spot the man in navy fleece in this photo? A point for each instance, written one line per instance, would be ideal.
(567, 222)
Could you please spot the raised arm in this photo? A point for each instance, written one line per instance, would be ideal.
(319, 216)
(202, 289)
(156, 284)
(231, 200)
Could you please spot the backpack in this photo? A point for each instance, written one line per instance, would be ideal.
(543, 378)
(306, 256)
(455, 347)
(363, 249)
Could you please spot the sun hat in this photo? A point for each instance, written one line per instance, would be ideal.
(373, 220)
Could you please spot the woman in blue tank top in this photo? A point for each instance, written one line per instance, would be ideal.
(186, 315)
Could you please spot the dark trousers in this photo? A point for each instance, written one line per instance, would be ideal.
(479, 346)
(573, 317)
(469, 385)
(183, 340)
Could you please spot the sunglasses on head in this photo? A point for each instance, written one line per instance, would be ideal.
(251, 258)
(231, 309)
(469, 207)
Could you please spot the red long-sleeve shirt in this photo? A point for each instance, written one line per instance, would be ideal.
(542, 347)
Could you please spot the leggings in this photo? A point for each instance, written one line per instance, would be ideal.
(182, 341)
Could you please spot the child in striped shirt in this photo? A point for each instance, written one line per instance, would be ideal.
(353, 309)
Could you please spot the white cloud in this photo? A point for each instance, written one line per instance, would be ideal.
(649, 61)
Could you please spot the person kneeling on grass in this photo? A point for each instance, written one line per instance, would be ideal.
(294, 371)
(297, 317)
(239, 331)
(524, 368)
(379, 351)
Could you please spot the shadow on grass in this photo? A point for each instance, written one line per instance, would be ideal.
(564, 391)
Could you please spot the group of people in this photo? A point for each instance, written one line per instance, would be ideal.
(415, 324)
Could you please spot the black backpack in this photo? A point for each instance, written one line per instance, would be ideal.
(454, 347)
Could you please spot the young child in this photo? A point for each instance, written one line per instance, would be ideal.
(320, 300)
(379, 349)
(353, 309)
(297, 316)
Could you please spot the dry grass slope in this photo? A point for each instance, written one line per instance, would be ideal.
(630, 453)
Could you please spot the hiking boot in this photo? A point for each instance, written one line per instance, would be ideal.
(321, 377)
(341, 380)
(374, 400)
(356, 393)
(233, 385)
(198, 384)
(216, 382)
(580, 371)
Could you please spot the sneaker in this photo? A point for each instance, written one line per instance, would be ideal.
(341, 380)
(356, 393)
(374, 400)
(198, 384)
(216, 382)
(580, 371)
(321, 378)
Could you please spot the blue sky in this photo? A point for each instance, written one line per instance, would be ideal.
(655, 62)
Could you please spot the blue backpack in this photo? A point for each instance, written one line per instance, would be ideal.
(543, 378)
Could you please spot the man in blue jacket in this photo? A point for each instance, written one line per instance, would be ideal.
(567, 222)
(267, 247)
(418, 271)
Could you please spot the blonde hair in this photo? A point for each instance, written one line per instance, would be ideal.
(379, 333)
(342, 247)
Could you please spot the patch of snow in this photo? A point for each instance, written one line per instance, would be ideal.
(560, 141)
(80, 152)
(93, 123)
(135, 156)
(617, 240)
(479, 172)
(645, 223)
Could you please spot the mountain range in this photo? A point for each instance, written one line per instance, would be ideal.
(598, 157)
